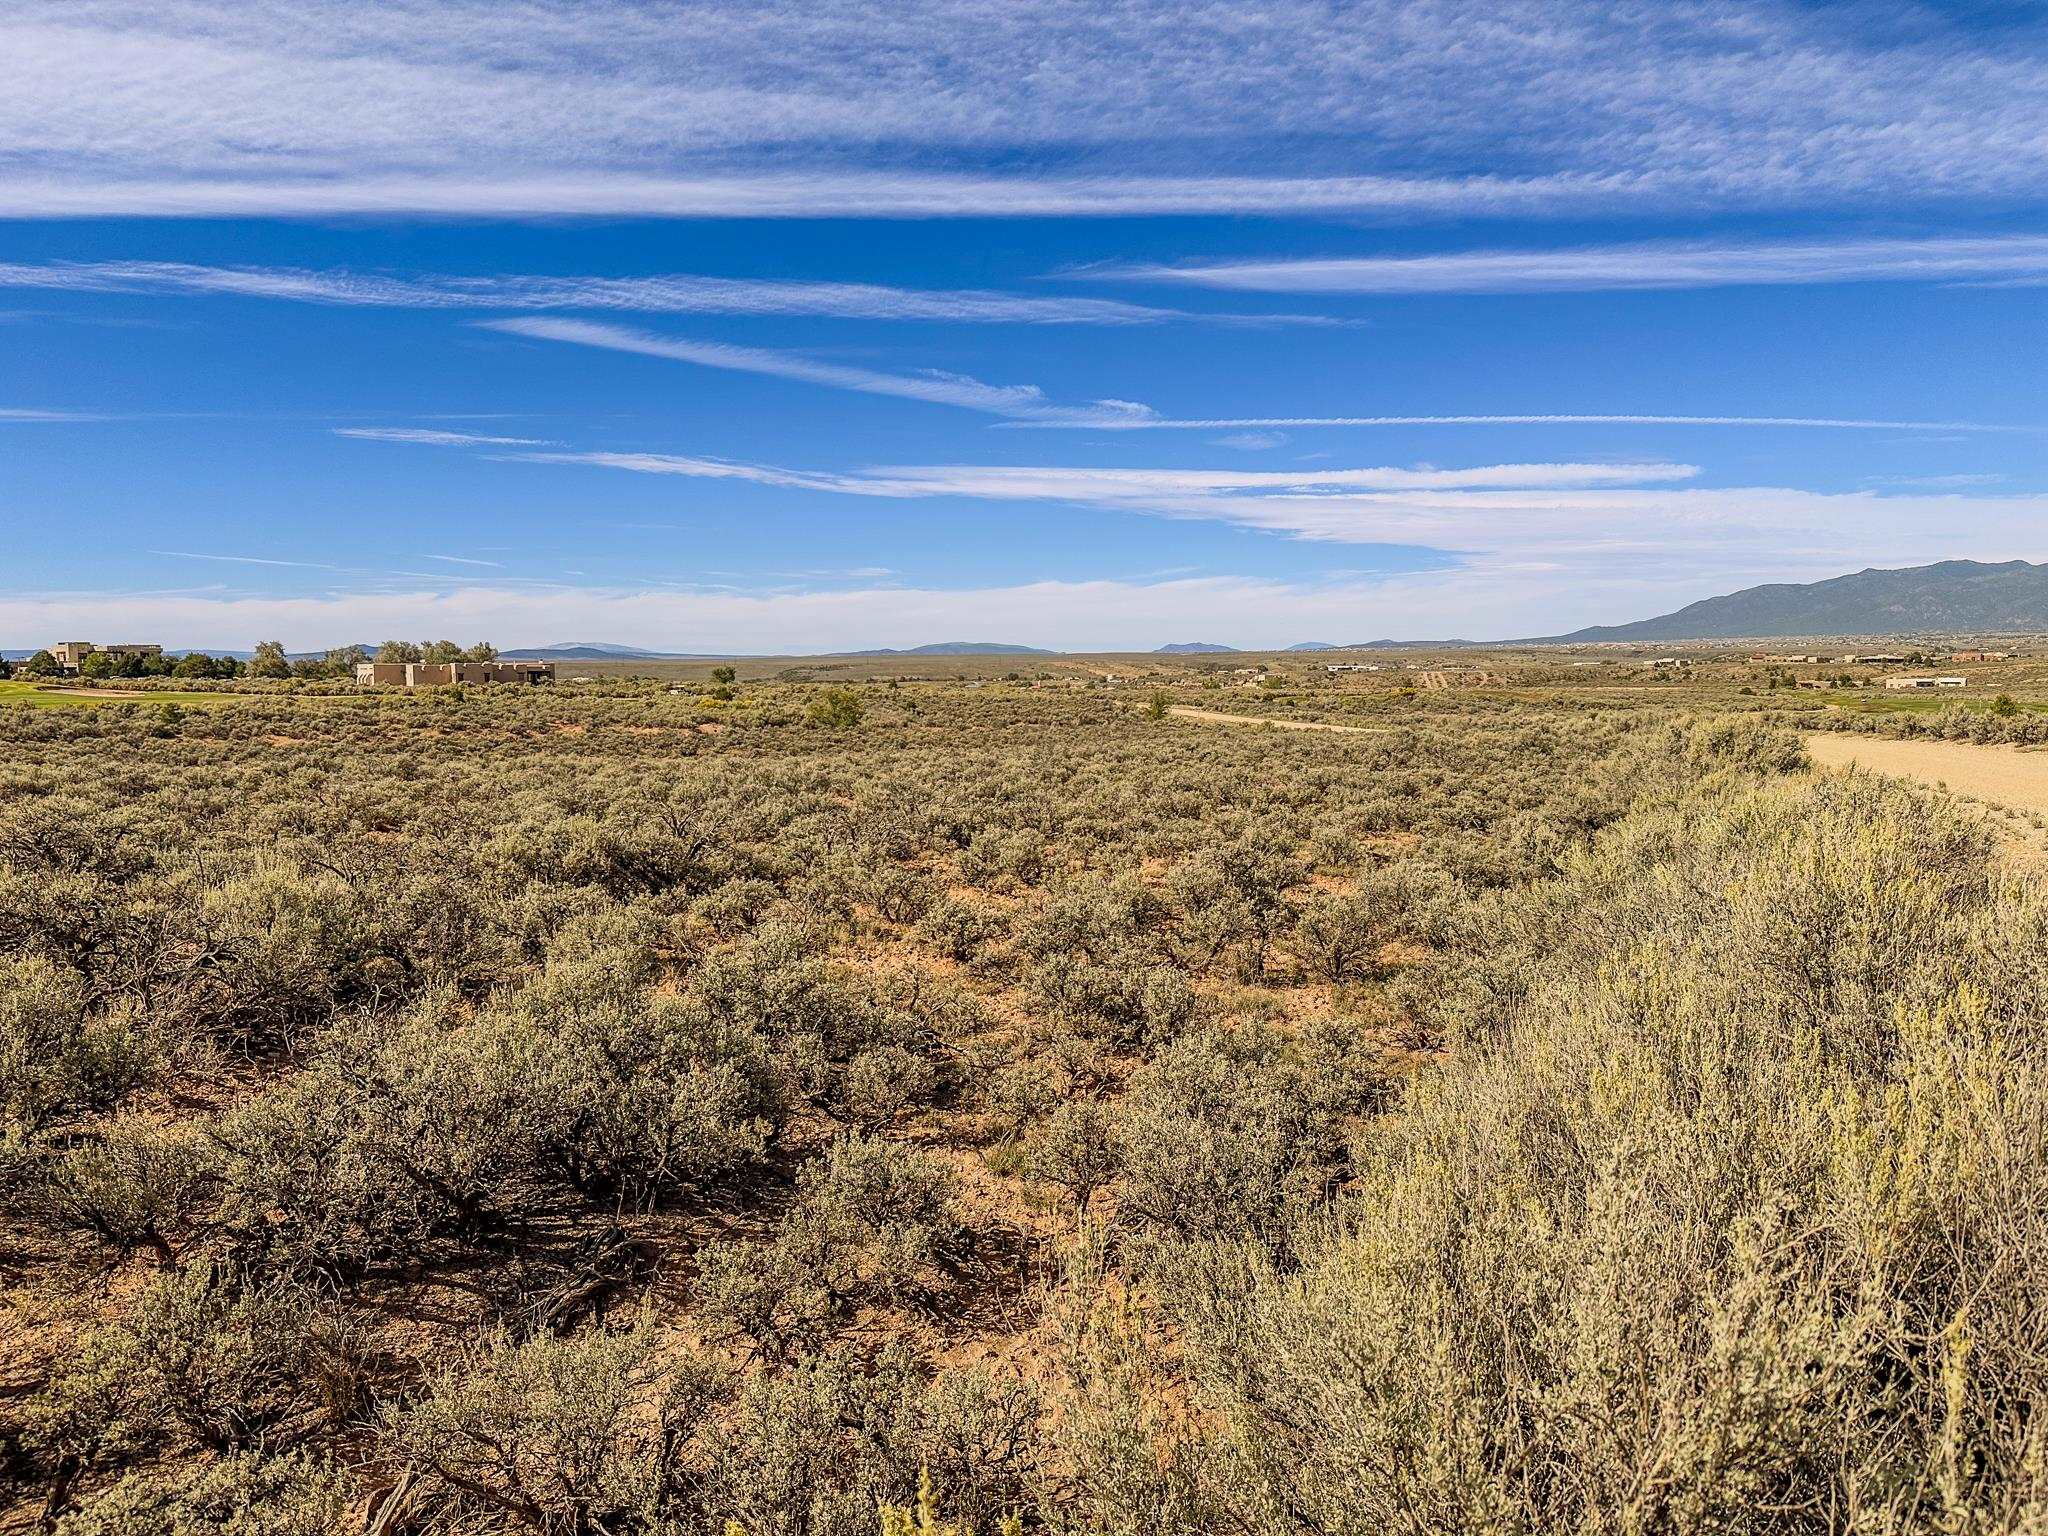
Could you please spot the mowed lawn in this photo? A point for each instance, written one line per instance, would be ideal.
(38, 696)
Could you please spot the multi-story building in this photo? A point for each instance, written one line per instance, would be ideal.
(71, 654)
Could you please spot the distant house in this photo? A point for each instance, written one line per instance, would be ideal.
(1904, 683)
(1874, 661)
(1667, 661)
(428, 674)
(70, 654)
(1981, 656)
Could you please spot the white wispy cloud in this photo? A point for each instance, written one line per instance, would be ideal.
(1958, 482)
(1232, 495)
(673, 293)
(725, 108)
(28, 414)
(823, 193)
(1546, 419)
(434, 437)
(1594, 517)
(1021, 402)
(303, 565)
(1638, 266)
(361, 575)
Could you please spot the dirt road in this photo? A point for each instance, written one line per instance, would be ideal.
(1217, 717)
(2002, 775)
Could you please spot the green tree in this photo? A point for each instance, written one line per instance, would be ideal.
(42, 664)
(483, 650)
(725, 677)
(2005, 704)
(269, 660)
(343, 659)
(99, 664)
(398, 651)
(441, 652)
(839, 708)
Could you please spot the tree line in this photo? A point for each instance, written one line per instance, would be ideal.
(268, 660)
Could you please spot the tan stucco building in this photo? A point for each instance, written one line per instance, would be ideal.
(427, 674)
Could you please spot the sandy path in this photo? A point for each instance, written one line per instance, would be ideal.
(2003, 775)
(1217, 717)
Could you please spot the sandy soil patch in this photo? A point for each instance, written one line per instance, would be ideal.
(2002, 775)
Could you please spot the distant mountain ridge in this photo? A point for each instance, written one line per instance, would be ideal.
(583, 650)
(1948, 597)
(956, 648)
(1195, 648)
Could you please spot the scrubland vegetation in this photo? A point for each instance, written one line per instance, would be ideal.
(621, 1111)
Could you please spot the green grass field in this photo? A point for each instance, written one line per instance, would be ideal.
(37, 696)
(1922, 704)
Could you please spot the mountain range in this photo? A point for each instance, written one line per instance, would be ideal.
(957, 648)
(590, 650)
(1966, 597)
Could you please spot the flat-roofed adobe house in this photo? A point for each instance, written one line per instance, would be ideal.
(70, 654)
(429, 674)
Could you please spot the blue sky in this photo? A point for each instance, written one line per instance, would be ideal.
(778, 328)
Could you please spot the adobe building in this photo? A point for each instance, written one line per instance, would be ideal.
(70, 654)
(429, 674)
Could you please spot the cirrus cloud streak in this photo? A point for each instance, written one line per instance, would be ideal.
(1021, 402)
(1650, 266)
(668, 293)
(1599, 515)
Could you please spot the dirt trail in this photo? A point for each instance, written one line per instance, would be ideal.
(1217, 717)
(2002, 775)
